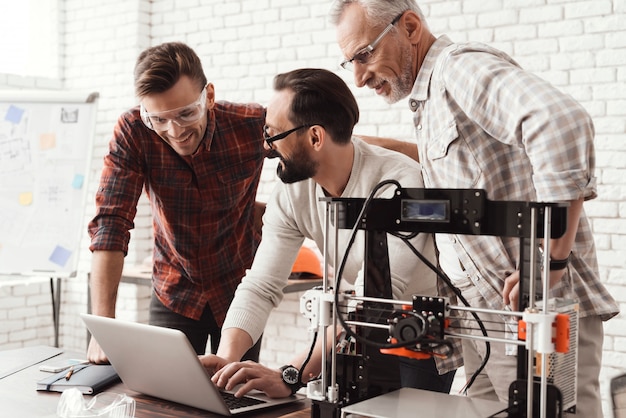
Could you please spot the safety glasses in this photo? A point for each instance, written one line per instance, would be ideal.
(182, 116)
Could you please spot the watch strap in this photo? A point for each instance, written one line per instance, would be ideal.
(559, 264)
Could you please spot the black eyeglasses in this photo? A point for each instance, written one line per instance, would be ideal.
(364, 55)
(270, 139)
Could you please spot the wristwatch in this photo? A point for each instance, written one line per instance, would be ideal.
(291, 378)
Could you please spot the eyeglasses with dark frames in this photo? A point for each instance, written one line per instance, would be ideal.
(271, 139)
(363, 55)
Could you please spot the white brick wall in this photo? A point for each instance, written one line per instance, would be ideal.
(580, 46)
(25, 313)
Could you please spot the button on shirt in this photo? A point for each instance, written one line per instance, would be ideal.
(483, 122)
(202, 205)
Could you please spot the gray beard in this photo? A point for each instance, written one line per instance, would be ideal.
(402, 86)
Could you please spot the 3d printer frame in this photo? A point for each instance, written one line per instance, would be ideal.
(455, 211)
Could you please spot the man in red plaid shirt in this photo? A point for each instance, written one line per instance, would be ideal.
(199, 162)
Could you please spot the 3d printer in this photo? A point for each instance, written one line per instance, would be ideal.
(544, 388)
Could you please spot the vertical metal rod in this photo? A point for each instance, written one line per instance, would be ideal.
(322, 329)
(55, 293)
(333, 367)
(330, 392)
(533, 258)
(547, 228)
(531, 307)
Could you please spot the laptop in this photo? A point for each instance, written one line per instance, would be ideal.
(161, 362)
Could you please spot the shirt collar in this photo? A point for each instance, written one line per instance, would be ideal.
(210, 131)
(422, 82)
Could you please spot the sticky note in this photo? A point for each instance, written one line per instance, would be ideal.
(47, 141)
(60, 255)
(14, 114)
(78, 181)
(25, 199)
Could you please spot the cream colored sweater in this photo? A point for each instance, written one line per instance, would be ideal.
(294, 213)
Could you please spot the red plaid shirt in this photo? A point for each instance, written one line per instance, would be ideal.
(202, 205)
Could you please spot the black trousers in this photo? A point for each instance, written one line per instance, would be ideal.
(198, 332)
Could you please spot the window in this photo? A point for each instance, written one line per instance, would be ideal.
(29, 38)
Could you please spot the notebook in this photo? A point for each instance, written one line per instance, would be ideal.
(161, 362)
(88, 378)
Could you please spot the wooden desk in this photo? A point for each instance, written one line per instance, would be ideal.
(19, 398)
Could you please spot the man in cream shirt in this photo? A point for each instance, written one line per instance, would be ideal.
(309, 126)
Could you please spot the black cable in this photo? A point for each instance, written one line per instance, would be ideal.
(458, 293)
(339, 274)
(308, 357)
(344, 259)
(440, 274)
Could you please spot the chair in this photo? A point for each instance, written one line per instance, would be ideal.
(618, 396)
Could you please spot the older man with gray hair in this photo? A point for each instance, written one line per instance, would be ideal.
(481, 121)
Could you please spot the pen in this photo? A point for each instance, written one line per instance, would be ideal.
(69, 373)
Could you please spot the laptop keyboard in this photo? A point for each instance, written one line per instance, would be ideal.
(234, 403)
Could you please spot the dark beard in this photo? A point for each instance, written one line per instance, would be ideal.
(298, 167)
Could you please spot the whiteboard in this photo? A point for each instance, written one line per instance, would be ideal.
(46, 143)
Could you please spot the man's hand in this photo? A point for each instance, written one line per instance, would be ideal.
(510, 292)
(248, 374)
(213, 363)
(95, 353)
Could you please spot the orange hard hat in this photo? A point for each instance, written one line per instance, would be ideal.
(307, 264)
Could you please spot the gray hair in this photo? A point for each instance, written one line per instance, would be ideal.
(379, 12)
